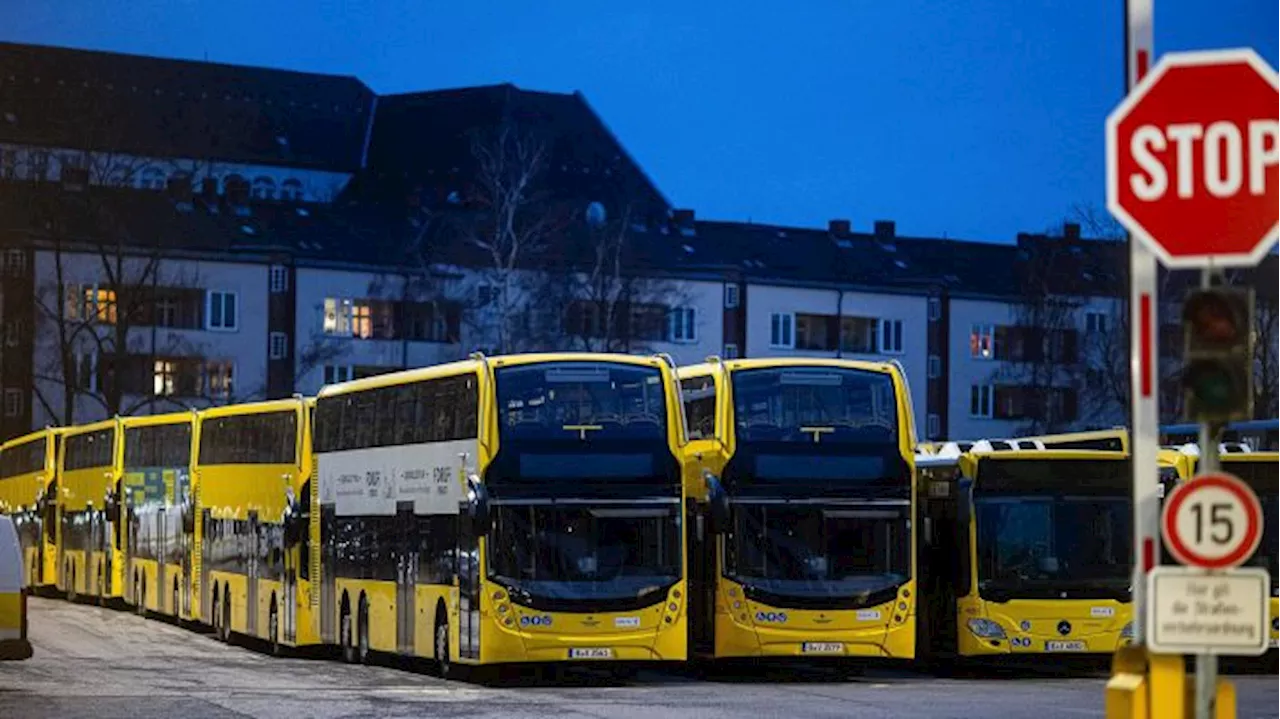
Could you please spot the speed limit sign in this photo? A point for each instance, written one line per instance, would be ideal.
(1213, 521)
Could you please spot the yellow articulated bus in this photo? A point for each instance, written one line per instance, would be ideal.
(159, 512)
(804, 545)
(509, 509)
(28, 493)
(253, 523)
(91, 543)
(1261, 471)
(1026, 552)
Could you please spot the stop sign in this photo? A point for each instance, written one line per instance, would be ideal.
(1192, 159)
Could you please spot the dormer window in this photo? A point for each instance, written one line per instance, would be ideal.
(291, 190)
(264, 188)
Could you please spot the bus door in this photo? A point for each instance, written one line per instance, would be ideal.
(133, 519)
(254, 568)
(161, 548)
(939, 563)
(702, 576)
(186, 540)
(211, 532)
(328, 567)
(468, 560)
(406, 576)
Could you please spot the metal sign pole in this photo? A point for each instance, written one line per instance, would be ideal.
(1143, 351)
(1206, 663)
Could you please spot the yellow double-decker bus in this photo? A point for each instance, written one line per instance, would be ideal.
(1027, 552)
(802, 543)
(91, 543)
(28, 493)
(159, 512)
(253, 523)
(509, 509)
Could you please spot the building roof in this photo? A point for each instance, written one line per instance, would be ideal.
(426, 139)
(159, 107)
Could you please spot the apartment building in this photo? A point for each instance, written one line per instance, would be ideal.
(221, 233)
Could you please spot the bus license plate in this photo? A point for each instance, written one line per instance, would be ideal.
(591, 653)
(1064, 646)
(822, 648)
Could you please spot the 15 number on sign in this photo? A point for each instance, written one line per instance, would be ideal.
(1219, 516)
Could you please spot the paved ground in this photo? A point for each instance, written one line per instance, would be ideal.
(105, 664)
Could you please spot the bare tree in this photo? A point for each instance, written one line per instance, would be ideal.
(115, 300)
(510, 219)
(595, 293)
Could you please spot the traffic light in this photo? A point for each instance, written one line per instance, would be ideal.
(1217, 375)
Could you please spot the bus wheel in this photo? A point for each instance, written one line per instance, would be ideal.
(226, 613)
(70, 574)
(273, 629)
(443, 664)
(362, 636)
(142, 598)
(176, 613)
(345, 636)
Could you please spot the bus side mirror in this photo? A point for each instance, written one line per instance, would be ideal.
(478, 506)
(717, 504)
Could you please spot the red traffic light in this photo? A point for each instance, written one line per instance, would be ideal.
(1217, 317)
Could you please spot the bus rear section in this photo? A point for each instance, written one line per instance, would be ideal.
(159, 511)
(801, 545)
(91, 540)
(28, 494)
(1030, 553)
(253, 499)
(509, 509)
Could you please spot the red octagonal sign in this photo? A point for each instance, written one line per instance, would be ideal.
(1192, 157)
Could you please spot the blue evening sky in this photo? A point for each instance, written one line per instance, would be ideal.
(973, 119)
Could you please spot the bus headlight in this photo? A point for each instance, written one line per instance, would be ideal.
(986, 629)
(1127, 632)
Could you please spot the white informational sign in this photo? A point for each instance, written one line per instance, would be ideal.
(1197, 612)
(371, 481)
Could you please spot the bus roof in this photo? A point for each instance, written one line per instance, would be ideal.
(468, 366)
(230, 410)
(697, 370)
(147, 420)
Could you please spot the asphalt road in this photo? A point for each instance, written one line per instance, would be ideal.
(103, 664)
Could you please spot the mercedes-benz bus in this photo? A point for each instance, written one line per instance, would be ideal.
(254, 523)
(801, 544)
(159, 512)
(522, 508)
(28, 493)
(1026, 552)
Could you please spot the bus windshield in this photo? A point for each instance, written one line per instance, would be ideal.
(818, 552)
(1057, 543)
(580, 400)
(814, 404)
(569, 555)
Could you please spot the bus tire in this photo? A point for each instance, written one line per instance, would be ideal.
(226, 613)
(273, 629)
(142, 598)
(176, 613)
(345, 638)
(443, 664)
(71, 581)
(362, 632)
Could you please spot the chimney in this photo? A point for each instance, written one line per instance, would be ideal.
(683, 222)
(885, 229)
(1071, 230)
(838, 228)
